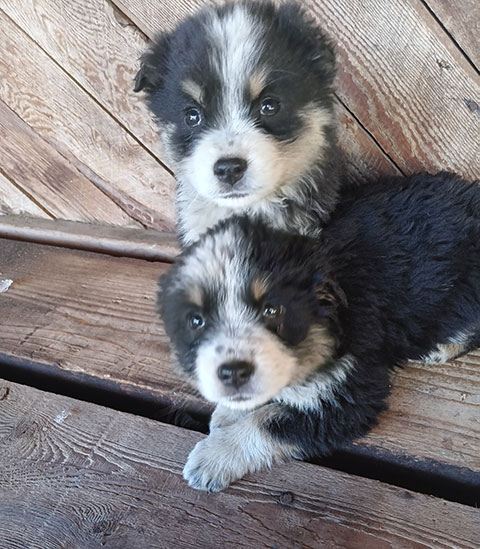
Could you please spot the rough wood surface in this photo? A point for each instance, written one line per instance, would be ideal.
(94, 314)
(462, 20)
(53, 104)
(363, 156)
(78, 475)
(406, 82)
(53, 182)
(104, 64)
(15, 201)
(122, 241)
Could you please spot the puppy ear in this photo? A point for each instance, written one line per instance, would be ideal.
(153, 65)
(329, 294)
(317, 46)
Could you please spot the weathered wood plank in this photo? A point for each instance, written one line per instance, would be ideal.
(363, 156)
(79, 475)
(95, 314)
(140, 243)
(14, 201)
(47, 99)
(462, 21)
(104, 63)
(406, 82)
(38, 168)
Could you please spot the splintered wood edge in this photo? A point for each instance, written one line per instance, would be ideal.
(121, 241)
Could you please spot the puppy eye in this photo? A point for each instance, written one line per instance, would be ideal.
(269, 106)
(193, 117)
(273, 311)
(196, 321)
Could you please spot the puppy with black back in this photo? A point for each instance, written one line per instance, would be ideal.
(243, 96)
(294, 339)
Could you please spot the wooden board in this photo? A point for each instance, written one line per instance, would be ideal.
(71, 121)
(78, 475)
(406, 82)
(104, 64)
(81, 313)
(14, 201)
(121, 241)
(364, 157)
(53, 182)
(462, 20)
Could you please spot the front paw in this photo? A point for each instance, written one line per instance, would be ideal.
(211, 467)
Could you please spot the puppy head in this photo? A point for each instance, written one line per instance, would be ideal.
(243, 96)
(247, 313)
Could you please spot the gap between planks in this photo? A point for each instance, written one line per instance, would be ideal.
(60, 319)
(79, 475)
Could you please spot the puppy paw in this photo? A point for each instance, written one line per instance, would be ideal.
(211, 468)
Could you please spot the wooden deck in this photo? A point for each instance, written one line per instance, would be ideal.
(94, 427)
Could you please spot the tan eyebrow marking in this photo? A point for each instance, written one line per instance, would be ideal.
(194, 294)
(259, 288)
(257, 82)
(192, 89)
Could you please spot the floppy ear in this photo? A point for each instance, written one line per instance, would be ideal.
(318, 48)
(329, 294)
(153, 64)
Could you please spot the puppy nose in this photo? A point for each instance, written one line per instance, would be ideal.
(230, 170)
(235, 373)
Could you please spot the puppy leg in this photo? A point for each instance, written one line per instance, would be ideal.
(459, 345)
(238, 444)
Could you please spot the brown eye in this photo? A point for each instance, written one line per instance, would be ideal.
(269, 106)
(271, 312)
(196, 321)
(193, 117)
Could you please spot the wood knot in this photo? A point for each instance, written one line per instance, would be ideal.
(472, 105)
(286, 498)
(4, 392)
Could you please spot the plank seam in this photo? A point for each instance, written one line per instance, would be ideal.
(93, 98)
(451, 483)
(26, 193)
(449, 34)
(370, 135)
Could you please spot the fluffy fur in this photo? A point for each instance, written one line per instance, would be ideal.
(294, 339)
(243, 97)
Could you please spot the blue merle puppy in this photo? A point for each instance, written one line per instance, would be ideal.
(294, 339)
(243, 94)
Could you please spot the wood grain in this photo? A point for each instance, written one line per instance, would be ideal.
(47, 99)
(78, 475)
(363, 157)
(406, 82)
(107, 47)
(95, 314)
(121, 241)
(46, 175)
(15, 201)
(462, 21)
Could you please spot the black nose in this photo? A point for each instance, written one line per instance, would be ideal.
(235, 373)
(230, 170)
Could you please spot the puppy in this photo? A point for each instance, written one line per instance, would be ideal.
(294, 339)
(243, 96)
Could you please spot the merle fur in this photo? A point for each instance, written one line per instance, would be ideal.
(295, 46)
(395, 273)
